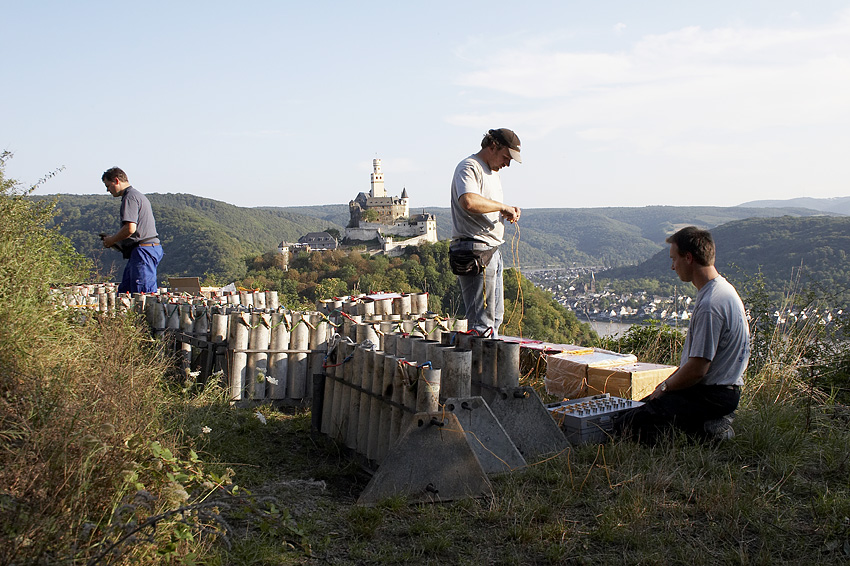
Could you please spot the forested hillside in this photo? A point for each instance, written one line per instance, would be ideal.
(201, 237)
(608, 236)
(783, 250)
(211, 239)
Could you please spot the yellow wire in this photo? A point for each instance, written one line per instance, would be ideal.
(520, 299)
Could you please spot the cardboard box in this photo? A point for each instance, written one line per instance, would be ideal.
(566, 372)
(630, 381)
(191, 285)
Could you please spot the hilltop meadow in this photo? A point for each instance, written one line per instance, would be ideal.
(108, 455)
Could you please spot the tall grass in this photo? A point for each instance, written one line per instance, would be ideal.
(75, 391)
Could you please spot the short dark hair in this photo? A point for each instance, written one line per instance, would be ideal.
(502, 137)
(698, 242)
(114, 174)
(490, 139)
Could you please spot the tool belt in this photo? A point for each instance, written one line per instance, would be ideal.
(127, 249)
(466, 260)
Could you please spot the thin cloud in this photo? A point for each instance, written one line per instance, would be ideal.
(736, 79)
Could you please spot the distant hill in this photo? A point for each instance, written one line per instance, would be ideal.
(812, 251)
(840, 205)
(203, 236)
(336, 214)
(588, 236)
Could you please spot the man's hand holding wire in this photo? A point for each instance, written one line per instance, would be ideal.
(511, 213)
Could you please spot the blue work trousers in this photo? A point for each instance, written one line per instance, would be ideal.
(140, 272)
(484, 297)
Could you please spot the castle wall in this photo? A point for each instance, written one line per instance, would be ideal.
(393, 248)
(370, 230)
(363, 233)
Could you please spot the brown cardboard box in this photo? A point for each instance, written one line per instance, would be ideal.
(566, 372)
(629, 381)
(191, 285)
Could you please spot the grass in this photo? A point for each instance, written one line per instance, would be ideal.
(777, 493)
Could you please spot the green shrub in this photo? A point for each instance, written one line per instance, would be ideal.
(652, 343)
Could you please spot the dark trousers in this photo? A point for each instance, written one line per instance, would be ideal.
(686, 409)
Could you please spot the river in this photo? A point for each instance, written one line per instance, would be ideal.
(608, 328)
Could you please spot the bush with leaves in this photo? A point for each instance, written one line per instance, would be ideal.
(653, 342)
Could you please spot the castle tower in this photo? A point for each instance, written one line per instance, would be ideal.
(405, 203)
(377, 180)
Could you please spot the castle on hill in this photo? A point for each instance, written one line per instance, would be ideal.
(387, 219)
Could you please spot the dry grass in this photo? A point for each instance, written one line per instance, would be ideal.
(68, 418)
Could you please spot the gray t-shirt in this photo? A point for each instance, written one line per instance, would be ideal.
(473, 175)
(719, 332)
(136, 208)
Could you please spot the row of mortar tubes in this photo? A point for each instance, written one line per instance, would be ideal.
(373, 389)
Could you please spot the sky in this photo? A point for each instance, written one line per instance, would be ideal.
(281, 103)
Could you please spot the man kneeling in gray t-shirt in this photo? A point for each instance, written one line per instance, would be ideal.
(702, 394)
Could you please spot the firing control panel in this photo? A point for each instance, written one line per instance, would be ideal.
(590, 419)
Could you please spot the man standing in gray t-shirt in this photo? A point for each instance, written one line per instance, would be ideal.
(702, 394)
(137, 236)
(478, 215)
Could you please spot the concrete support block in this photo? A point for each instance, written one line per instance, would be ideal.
(494, 448)
(521, 413)
(432, 461)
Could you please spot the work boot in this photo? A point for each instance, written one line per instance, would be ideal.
(720, 429)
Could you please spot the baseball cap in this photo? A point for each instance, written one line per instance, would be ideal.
(510, 140)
